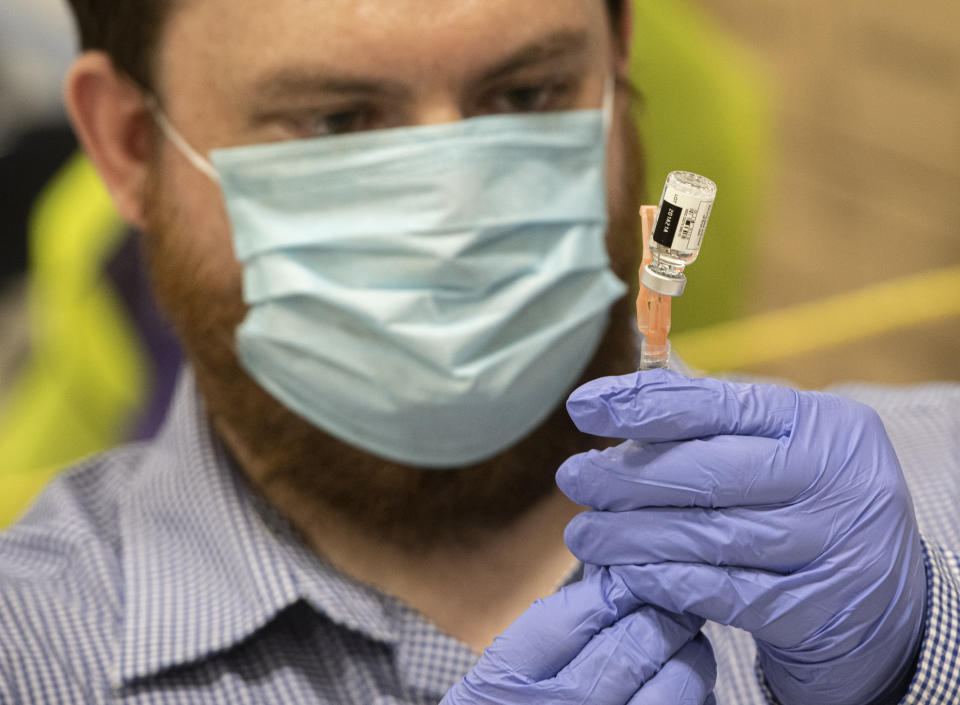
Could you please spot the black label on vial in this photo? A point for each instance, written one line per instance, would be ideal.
(667, 224)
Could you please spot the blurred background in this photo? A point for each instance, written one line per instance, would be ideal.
(36, 47)
(832, 129)
(864, 189)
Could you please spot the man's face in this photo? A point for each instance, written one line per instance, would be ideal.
(232, 74)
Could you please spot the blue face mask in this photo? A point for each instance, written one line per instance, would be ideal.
(427, 294)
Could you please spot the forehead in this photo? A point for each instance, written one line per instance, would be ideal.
(404, 39)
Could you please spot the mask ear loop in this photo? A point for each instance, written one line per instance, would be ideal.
(172, 134)
(609, 96)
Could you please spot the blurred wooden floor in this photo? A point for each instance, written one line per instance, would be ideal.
(866, 181)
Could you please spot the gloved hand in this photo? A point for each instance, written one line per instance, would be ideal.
(593, 642)
(780, 512)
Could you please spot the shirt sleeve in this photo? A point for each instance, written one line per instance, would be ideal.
(936, 680)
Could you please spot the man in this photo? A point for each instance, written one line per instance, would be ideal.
(378, 229)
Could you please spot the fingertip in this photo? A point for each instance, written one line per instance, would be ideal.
(576, 477)
(592, 398)
(568, 476)
(584, 406)
(572, 536)
(599, 388)
(611, 406)
(606, 387)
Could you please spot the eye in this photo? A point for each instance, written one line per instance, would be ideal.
(531, 98)
(306, 124)
(340, 123)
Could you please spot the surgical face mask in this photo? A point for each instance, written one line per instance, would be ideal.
(426, 294)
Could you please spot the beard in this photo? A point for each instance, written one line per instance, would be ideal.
(281, 454)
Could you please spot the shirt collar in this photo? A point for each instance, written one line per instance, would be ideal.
(207, 563)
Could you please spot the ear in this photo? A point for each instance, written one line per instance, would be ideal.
(111, 119)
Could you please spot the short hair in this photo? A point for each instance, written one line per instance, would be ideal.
(129, 31)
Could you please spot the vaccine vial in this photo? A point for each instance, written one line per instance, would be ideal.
(678, 231)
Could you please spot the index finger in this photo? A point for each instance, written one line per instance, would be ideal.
(660, 405)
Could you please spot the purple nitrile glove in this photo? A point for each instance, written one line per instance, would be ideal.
(593, 642)
(780, 512)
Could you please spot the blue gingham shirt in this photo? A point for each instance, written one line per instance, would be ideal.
(152, 574)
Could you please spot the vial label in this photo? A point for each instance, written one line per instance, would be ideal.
(682, 221)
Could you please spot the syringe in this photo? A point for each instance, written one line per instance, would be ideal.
(672, 237)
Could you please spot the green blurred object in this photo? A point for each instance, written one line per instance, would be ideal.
(705, 108)
(86, 376)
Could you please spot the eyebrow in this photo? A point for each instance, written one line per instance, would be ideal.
(306, 81)
(300, 81)
(550, 48)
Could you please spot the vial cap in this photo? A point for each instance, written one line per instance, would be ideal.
(690, 184)
(668, 286)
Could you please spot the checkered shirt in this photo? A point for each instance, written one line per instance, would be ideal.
(152, 575)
